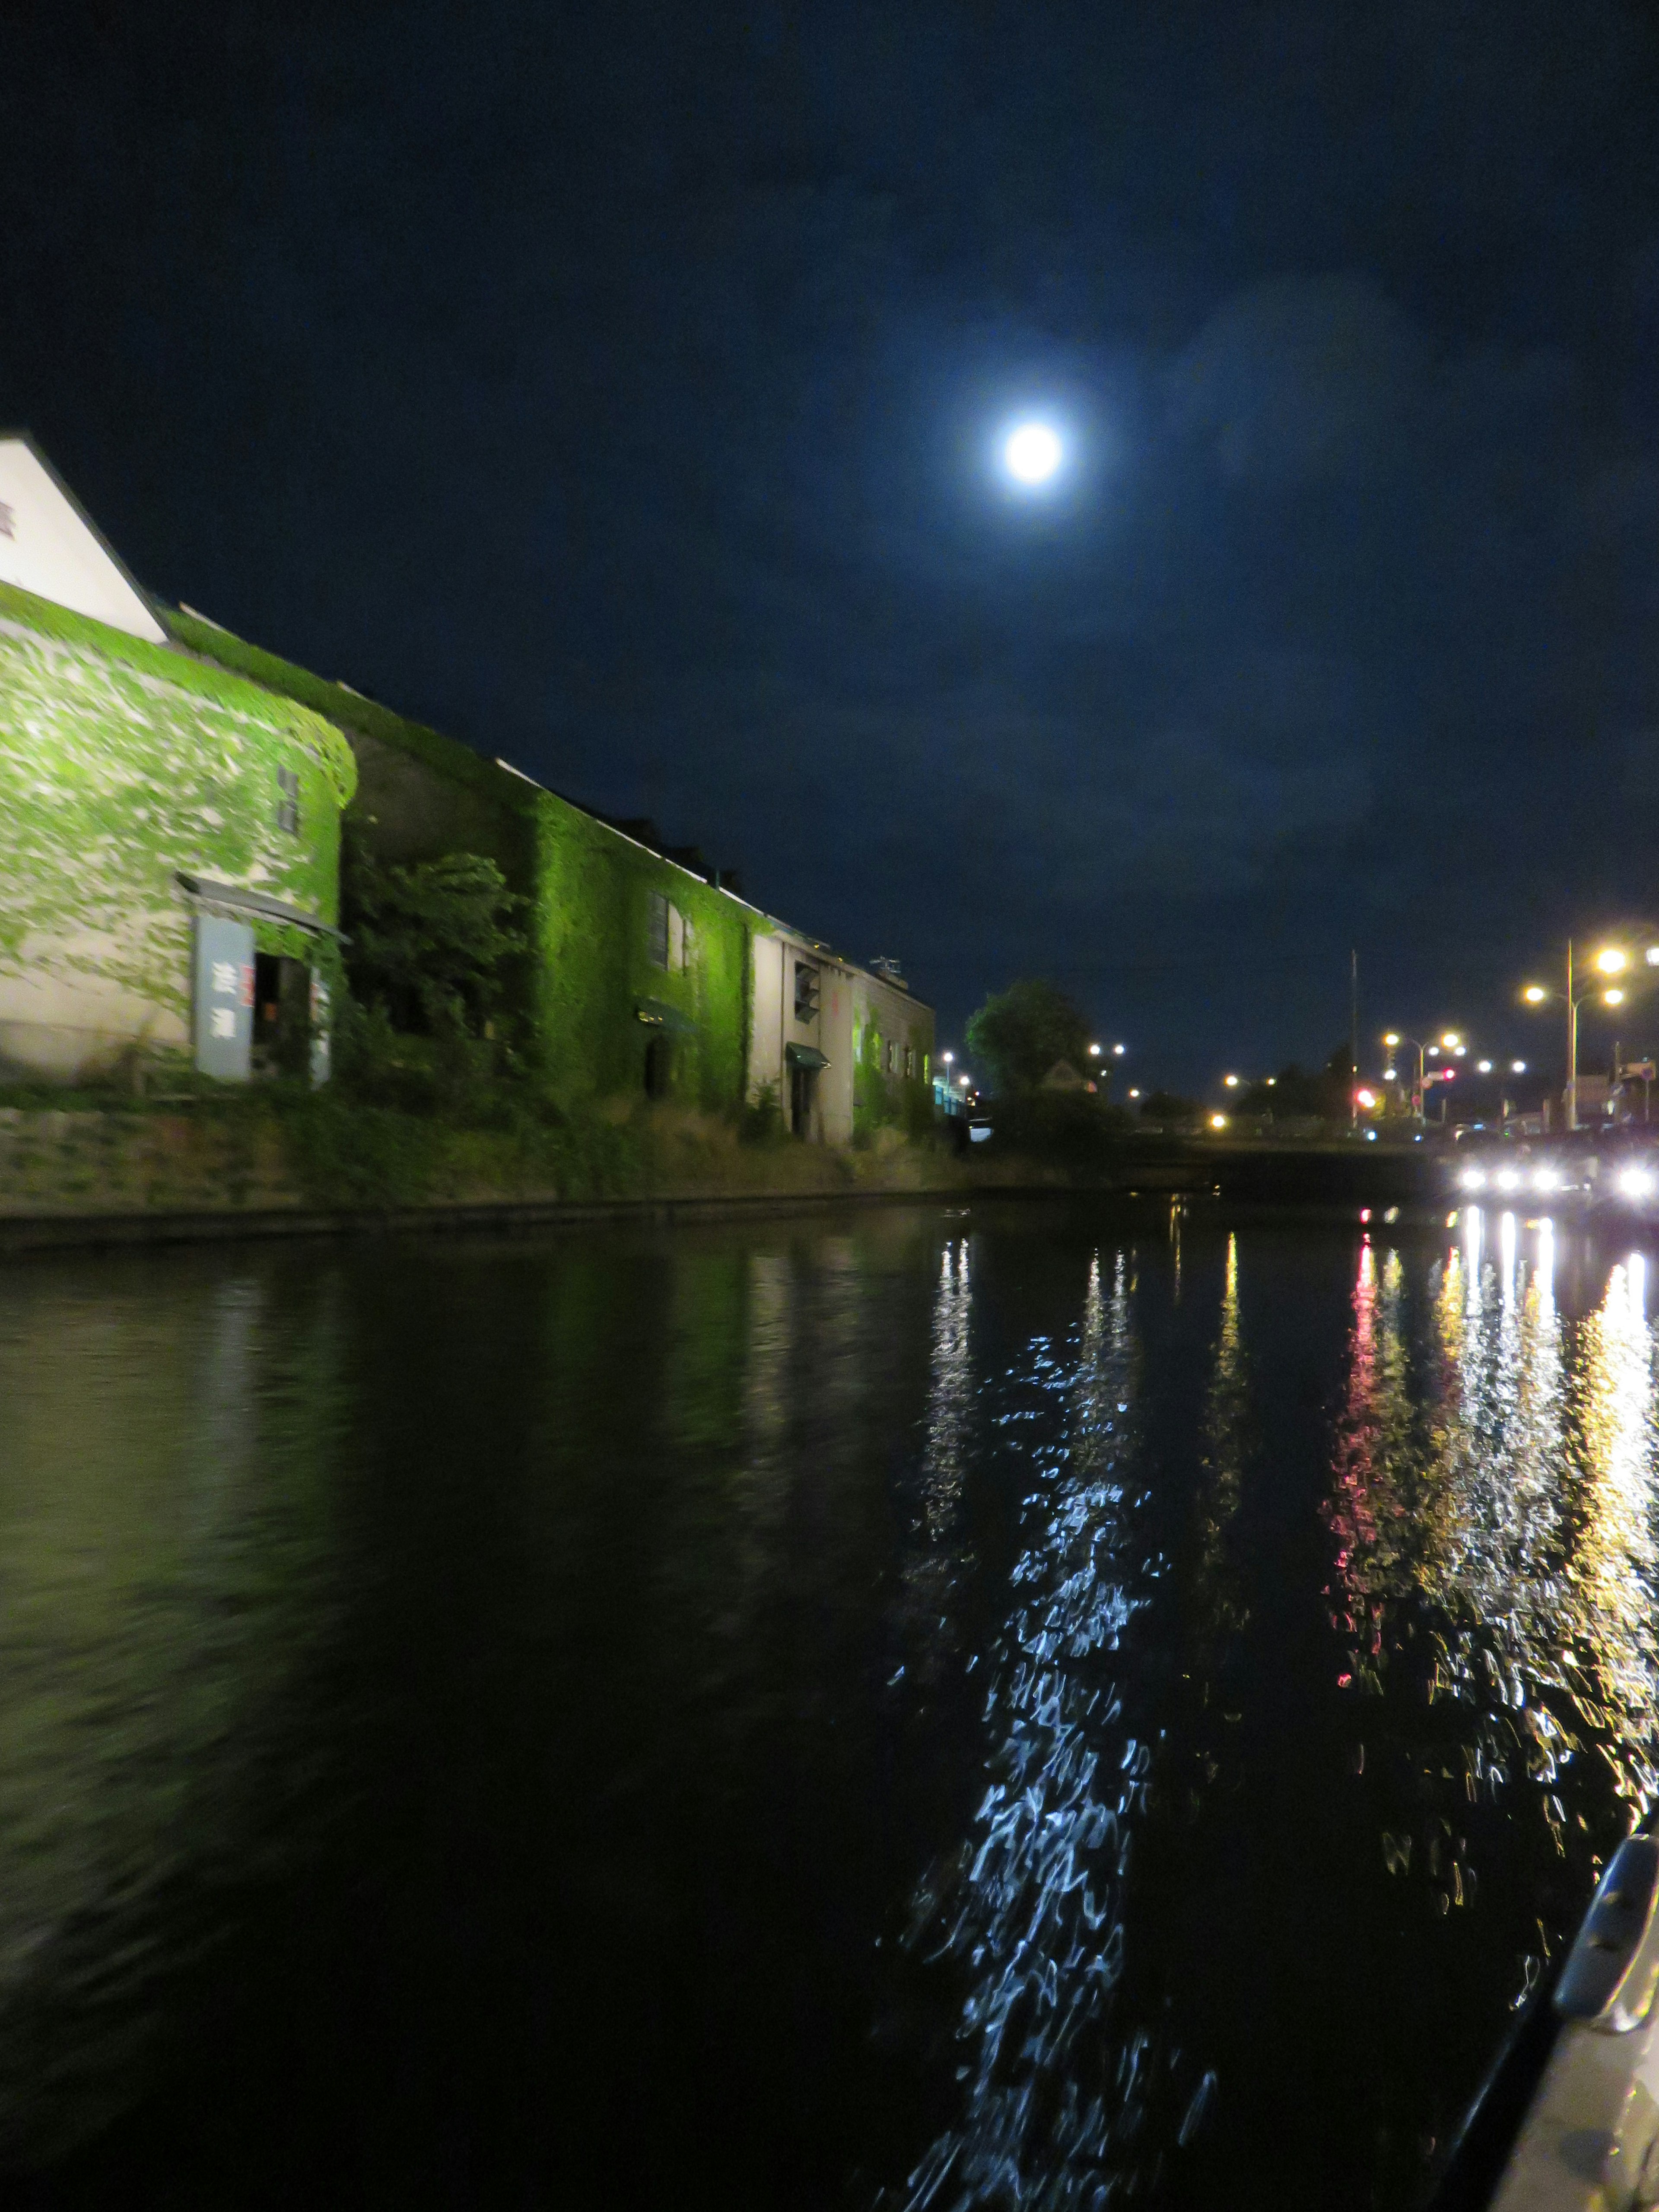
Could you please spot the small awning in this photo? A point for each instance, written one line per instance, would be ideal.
(804, 1055)
(658, 1014)
(235, 900)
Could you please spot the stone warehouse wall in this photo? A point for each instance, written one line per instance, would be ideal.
(587, 888)
(121, 763)
(594, 971)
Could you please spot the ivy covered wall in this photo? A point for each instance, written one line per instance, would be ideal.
(121, 763)
(588, 889)
(595, 975)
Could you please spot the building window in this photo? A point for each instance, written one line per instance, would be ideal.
(806, 991)
(288, 801)
(910, 1063)
(670, 939)
(893, 1055)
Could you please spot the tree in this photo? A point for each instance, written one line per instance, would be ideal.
(1018, 1034)
(428, 939)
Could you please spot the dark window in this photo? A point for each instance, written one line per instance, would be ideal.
(892, 1054)
(806, 992)
(657, 925)
(288, 801)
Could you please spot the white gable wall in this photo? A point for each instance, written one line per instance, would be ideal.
(48, 547)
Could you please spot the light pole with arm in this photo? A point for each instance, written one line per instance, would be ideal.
(1450, 1042)
(1611, 960)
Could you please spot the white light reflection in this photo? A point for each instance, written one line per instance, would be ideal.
(1032, 1908)
(935, 1565)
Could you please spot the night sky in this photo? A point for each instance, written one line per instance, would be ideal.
(617, 387)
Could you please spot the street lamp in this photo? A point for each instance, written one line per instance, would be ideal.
(1394, 1038)
(1611, 960)
(1231, 1082)
(1118, 1051)
(1094, 1052)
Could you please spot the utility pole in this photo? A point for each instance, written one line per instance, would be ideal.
(1570, 1102)
(1354, 1038)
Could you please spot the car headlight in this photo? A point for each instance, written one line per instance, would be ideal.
(1507, 1179)
(1547, 1179)
(1473, 1179)
(1637, 1183)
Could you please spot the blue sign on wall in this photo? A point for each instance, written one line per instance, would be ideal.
(224, 997)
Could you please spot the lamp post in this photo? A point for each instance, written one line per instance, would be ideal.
(1611, 960)
(1450, 1042)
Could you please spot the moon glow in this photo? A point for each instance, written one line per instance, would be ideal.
(1032, 454)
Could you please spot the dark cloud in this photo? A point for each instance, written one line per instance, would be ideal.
(1303, 379)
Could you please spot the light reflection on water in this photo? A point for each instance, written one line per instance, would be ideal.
(1033, 1904)
(1166, 1684)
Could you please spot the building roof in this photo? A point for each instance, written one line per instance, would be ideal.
(50, 547)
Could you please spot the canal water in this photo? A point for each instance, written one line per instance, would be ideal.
(1025, 1707)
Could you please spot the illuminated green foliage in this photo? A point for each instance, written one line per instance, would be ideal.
(123, 762)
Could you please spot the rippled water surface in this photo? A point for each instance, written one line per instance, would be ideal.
(1032, 1707)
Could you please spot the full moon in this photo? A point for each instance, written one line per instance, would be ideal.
(1032, 454)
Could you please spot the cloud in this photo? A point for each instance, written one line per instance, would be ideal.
(1300, 380)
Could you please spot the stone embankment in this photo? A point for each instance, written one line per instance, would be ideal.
(160, 1171)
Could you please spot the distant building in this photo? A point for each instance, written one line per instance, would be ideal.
(169, 833)
(844, 1050)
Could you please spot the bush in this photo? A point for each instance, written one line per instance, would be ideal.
(760, 1121)
(1068, 1129)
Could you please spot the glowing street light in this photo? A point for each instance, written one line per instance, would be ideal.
(1483, 1067)
(1231, 1082)
(1517, 1067)
(1609, 960)
(1118, 1050)
(1451, 1041)
(1218, 1121)
(1094, 1052)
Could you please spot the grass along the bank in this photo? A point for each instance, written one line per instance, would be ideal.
(274, 1146)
